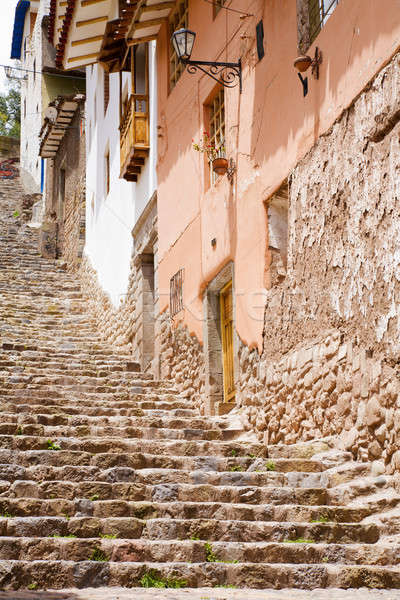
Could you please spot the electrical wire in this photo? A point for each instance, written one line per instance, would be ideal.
(221, 6)
(41, 72)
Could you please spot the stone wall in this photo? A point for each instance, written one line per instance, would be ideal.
(331, 358)
(182, 360)
(63, 228)
(131, 325)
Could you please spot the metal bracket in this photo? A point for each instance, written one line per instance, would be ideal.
(225, 73)
(316, 62)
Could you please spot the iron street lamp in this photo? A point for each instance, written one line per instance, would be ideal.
(225, 73)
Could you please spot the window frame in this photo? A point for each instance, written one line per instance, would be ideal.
(215, 112)
(321, 17)
(176, 20)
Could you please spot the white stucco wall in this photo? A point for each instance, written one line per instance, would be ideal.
(111, 217)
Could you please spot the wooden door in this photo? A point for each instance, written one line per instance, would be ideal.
(226, 307)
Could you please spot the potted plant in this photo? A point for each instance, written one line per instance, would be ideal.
(216, 155)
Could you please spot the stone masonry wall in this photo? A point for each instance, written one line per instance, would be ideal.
(182, 360)
(124, 326)
(331, 359)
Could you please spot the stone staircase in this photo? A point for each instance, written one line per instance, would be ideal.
(109, 478)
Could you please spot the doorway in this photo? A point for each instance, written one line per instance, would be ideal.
(226, 310)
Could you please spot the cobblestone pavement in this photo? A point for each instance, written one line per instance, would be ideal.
(203, 594)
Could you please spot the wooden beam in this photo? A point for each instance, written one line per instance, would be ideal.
(83, 56)
(92, 21)
(89, 40)
(141, 40)
(90, 2)
(149, 23)
(158, 6)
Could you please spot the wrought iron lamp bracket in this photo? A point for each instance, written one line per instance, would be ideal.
(225, 73)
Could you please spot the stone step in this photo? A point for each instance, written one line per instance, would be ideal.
(169, 528)
(126, 409)
(149, 433)
(161, 448)
(128, 550)
(168, 422)
(139, 494)
(153, 476)
(175, 501)
(69, 574)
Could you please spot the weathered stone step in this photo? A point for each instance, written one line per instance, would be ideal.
(184, 529)
(139, 494)
(69, 574)
(13, 472)
(160, 447)
(122, 550)
(77, 409)
(168, 422)
(149, 433)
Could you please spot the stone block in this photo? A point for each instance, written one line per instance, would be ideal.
(373, 413)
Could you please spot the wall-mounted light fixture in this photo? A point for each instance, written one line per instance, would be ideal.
(303, 63)
(225, 73)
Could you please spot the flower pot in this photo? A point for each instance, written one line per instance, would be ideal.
(302, 63)
(220, 165)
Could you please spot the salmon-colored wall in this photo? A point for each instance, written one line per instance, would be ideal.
(269, 127)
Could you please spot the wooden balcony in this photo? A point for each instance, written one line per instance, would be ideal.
(134, 136)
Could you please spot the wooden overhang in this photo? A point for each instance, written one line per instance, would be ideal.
(82, 29)
(52, 132)
(148, 17)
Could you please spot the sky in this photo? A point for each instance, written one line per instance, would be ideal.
(7, 11)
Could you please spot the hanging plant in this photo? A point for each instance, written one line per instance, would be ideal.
(215, 155)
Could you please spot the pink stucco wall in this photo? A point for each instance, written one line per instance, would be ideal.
(270, 126)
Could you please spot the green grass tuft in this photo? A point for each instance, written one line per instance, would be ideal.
(152, 579)
(98, 555)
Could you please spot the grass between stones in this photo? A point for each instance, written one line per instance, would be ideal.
(152, 579)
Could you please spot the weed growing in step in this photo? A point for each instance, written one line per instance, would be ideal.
(236, 468)
(299, 541)
(71, 535)
(16, 214)
(234, 452)
(270, 465)
(321, 519)
(195, 538)
(66, 516)
(19, 431)
(109, 536)
(152, 579)
(252, 456)
(94, 497)
(53, 445)
(226, 587)
(212, 557)
(33, 586)
(98, 555)
(6, 515)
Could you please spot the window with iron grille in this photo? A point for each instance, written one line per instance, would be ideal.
(217, 5)
(178, 19)
(176, 293)
(319, 12)
(217, 126)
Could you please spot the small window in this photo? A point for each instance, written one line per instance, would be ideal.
(319, 12)
(176, 293)
(179, 18)
(34, 69)
(107, 173)
(106, 90)
(216, 119)
(260, 40)
(217, 5)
